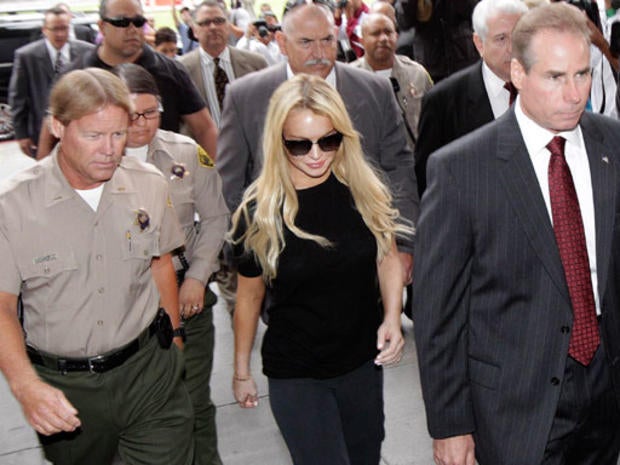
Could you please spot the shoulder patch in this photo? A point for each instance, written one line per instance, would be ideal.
(204, 159)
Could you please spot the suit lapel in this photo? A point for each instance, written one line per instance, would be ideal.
(44, 59)
(525, 197)
(477, 98)
(603, 193)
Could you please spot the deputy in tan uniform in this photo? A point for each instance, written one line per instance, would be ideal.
(410, 80)
(195, 188)
(86, 236)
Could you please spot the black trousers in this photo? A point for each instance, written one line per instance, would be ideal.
(586, 427)
(335, 421)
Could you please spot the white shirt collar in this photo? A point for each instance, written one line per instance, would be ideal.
(65, 50)
(331, 77)
(536, 137)
(224, 56)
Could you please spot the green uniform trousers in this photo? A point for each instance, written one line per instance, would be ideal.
(198, 354)
(141, 408)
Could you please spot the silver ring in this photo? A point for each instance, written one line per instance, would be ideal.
(195, 307)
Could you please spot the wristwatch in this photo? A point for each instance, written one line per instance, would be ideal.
(179, 332)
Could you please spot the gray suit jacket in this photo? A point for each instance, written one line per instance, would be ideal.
(490, 300)
(31, 80)
(413, 83)
(243, 62)
(371, 104)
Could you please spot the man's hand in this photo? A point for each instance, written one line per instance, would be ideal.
(46, 408)
(191, 298)
(27, 147)
(457, 450)
(406, 260)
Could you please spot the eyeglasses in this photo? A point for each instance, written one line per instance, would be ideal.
(151, 113)
(124, 22)
(301, 147)
(207, 22)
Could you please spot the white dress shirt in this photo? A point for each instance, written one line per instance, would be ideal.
(208, 68)
(536, 138)
(498, 95)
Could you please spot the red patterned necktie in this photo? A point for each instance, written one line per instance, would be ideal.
(571, 240)
(221, 80)
(510, 87)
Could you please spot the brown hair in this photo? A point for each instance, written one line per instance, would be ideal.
(558, 17)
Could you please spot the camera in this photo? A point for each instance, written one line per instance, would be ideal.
(261, 27)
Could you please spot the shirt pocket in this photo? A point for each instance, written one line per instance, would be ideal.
(141, 245)
(42, 269)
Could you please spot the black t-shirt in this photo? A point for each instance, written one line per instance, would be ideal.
(324, 304)
(178, 93)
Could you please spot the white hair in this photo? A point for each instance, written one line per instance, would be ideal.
(487, 9)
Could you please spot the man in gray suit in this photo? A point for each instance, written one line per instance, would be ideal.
(34, 69)
(516, 284)
(212, 29)
(307, 39)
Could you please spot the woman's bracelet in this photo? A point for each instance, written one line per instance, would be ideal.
(241, 378)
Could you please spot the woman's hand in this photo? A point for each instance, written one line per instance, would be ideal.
(390, 342)
(244, 389)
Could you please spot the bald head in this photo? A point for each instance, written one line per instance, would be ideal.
(384, 8)
(379, 40)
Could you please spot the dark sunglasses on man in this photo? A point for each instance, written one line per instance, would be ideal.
(124, 22)
(299, 147)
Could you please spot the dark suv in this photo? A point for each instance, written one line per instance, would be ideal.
(13, 34)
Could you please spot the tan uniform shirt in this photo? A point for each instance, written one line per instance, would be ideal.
(195, 187)
(414, 81)
(85, 276)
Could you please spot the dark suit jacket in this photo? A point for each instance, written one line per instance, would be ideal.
(490, 302)
(243, 62)
(371, 105)
(454, 107)
(31, 79)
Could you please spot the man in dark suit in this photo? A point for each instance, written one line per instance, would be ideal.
(212, 29)
(34, 68)
(307, 39)
(516, 285)
(475, 95)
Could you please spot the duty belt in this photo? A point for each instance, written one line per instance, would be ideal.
(96, 364)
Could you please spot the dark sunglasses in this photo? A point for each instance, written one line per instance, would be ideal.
(124, 22)
(303, 146)
(207, 22)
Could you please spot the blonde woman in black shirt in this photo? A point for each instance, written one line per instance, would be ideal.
(315, 233)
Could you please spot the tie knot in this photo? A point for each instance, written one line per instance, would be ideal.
(556, 146)
(216, 60)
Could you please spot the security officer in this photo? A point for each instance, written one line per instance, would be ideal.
(409, 79)
(195, 188)
(86, 236)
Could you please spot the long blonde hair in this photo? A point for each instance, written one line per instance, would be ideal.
(271, 199)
